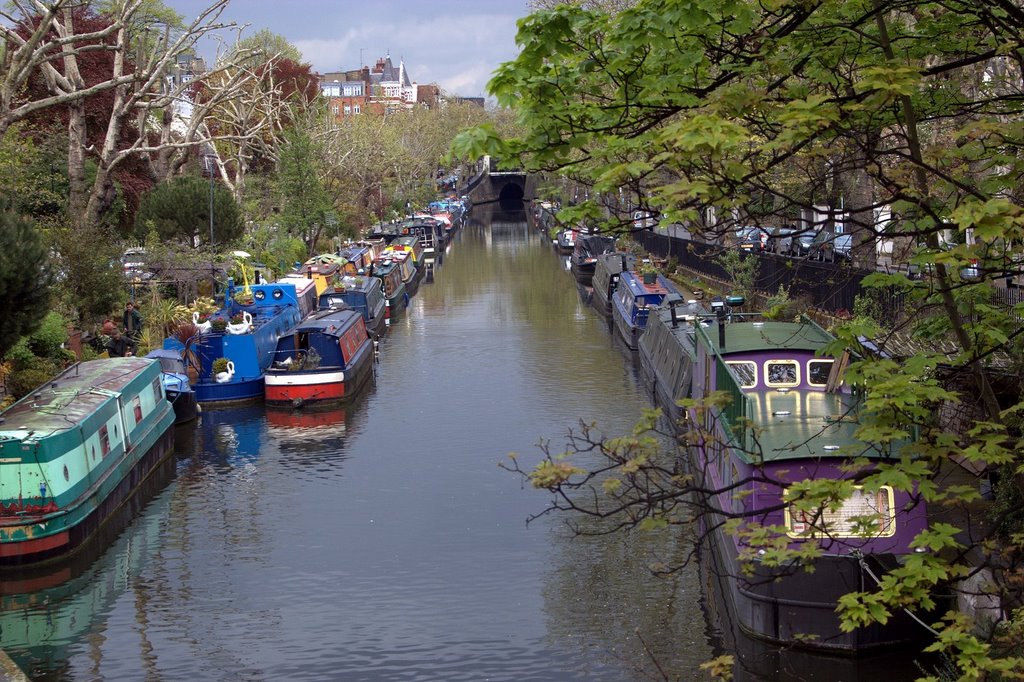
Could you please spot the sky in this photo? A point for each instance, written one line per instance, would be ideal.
(454, 43)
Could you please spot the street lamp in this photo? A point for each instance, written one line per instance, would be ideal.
(210, 167)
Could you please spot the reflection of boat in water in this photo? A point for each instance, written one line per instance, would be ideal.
(74, 450)
(231, 436)
(44, 613)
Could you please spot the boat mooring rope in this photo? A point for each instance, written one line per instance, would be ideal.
(867, 569)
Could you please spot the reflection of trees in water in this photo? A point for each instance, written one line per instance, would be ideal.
(604, 597)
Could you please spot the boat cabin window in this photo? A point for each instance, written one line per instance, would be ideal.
(745, 371)
(818, 371)
(137, 408)
(782, 373)
(157, 390)
(864, 514)
(104, 440)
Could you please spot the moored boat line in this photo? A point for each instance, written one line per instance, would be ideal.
(791, 419)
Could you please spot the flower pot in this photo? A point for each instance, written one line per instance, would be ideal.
(650, 277)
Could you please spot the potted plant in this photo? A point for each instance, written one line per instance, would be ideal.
(649, 273)
(237, 318)
(219, 324)
(220, 365)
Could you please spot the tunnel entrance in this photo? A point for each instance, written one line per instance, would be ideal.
(511, 197)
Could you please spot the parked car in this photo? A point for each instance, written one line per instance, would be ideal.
(133, 264)
(643, 220)
(801, 244)
(829, 246)
(780, 239)
(750, 238)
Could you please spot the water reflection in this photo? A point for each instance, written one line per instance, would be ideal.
(47, 615)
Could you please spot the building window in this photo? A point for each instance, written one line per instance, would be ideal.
(334, 109)
(355, 108)
(348, 110)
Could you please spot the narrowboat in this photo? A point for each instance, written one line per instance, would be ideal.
(384, 232)
(406, 265)
(363, 294)
(267, 312)
(790, 419)
(177, 386)
(358, 256)
(322, 269)
(634, 299)
(607, 269)
(411, 245)
(76, 449)
(431, 236)
(666, 350)
(326, 357)
(565, 240)
(396, 298)
(583, 260)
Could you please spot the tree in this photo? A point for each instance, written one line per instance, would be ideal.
(708, 104)
(24, 279)
(305, 205)
(179, 210)
(250, 126)
(265, 46)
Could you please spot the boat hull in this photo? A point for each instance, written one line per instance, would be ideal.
(798, 608)
(317, 386)
(230, 392)
(103, 505)
(186, 407)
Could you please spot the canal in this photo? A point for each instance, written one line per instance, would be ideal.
(382, 541)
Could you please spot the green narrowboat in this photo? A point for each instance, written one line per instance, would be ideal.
(76, 449)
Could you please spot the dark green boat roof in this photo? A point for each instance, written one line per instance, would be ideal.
(72, 395)
(744, 337)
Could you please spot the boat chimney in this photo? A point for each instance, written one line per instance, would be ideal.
(673, 301)
(718, 307)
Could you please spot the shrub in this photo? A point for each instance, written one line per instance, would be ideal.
(23, 380)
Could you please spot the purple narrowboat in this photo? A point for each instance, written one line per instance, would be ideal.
(789, 419)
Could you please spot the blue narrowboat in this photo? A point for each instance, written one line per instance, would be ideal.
(634, 299)
(363, 294)
(325, 358)
(74, 451)
(177, 386)
(247, 344)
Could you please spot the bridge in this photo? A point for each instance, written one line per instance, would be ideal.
(511, 190)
